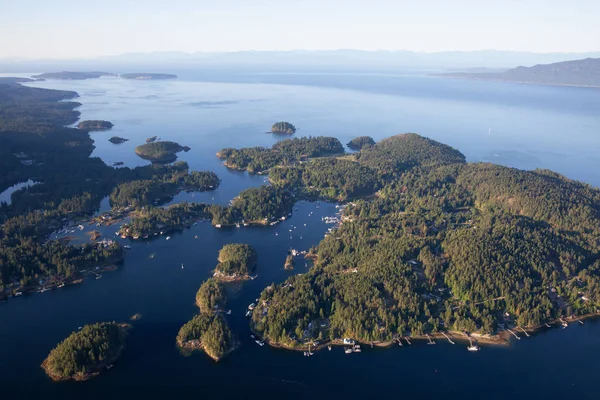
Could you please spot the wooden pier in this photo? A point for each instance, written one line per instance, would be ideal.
(407, 340)
(514, 334)
(429, 338)
(446, 336)
(526, 334)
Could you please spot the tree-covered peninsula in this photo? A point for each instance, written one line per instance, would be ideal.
(444, 245)
(160, 152)
(285, 152)
(360, 142)
(237, 261)
(87, 352)
(284, 128)
(95, 125)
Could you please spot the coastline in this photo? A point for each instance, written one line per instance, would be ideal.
(502, 338)
(123, 327)
(473, 78)
(194, 345)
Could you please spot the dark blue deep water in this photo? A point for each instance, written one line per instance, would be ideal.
(524, 126)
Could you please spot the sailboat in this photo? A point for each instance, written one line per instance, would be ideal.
(181, 265)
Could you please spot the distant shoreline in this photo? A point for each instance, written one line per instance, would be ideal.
(476, 78)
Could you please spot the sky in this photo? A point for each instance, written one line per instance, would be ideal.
(60, 29)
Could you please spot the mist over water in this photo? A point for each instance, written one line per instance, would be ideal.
(523, 126)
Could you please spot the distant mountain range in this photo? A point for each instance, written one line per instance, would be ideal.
(337, 60)
(574, 73)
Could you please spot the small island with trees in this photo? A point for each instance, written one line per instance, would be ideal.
(283, 127)
(95, 125)
(360, 142)
(208, 330)
(211, 296)
(117, 140)
(236, 262)
(147, 76)
(160, 152)
(87, 352)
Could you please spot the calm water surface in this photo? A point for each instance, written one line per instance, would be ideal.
(523, 126)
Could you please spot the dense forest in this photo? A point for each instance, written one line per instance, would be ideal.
(211, 296)
(209, 332)
(285, 152)
(283, 127)
(327, 178)
(85, 352)
(161, 188)
(236, 261)
(160, 152)
(444, 245)
(360, 142)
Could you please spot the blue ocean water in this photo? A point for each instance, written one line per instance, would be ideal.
(523, 126)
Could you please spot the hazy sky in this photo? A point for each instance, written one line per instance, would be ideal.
(87, 28)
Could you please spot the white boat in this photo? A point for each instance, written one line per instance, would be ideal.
(473, 348)
(228, 312)
(260, 343)
(181, 265)
(127, 247)
(348, 350)
(168, 237)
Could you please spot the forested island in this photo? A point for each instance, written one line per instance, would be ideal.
(237, 261)
(208, 331)
(284, 128)
(117, 140)
(160, 152)
(211, 296)
(87, 352)
(95, 125)
(444, 246)
(360, 142)
(72, 75)
(291, 151)
(257, 206)
(161, 188)
(147, 76)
